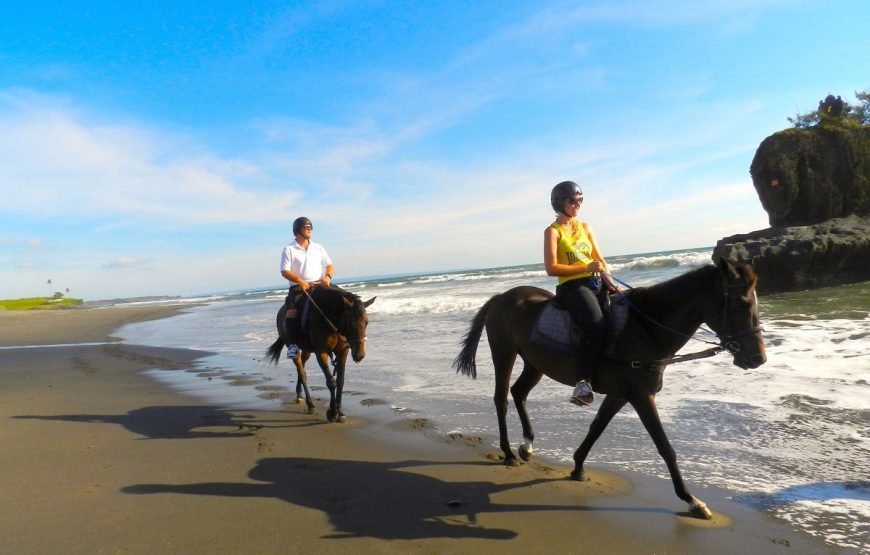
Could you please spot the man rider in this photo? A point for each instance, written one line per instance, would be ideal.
(303, 263)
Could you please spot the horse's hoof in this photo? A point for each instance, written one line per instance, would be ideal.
(341, 419)
(331, 416)
(578, 475)
(299, 400)
(525, 453)
(511, 461)
(698, 509)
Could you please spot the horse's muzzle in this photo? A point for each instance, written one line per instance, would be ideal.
(750, 362)
(358, 352)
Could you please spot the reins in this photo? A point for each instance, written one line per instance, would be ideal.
(723, 344)
(325, 317)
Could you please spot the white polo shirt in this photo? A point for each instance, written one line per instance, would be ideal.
(307, 264)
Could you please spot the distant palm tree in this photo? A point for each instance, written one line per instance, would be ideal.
(49, 286)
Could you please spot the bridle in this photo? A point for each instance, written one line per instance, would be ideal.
(345, 325)
(729, 342)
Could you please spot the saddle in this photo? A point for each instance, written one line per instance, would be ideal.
(302, 305)
(555, 330)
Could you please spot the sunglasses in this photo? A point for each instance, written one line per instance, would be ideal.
(576, 201)
(309, 226)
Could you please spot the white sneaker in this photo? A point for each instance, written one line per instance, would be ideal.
(582, 394)
(292, 351)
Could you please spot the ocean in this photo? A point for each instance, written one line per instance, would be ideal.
(791, 438)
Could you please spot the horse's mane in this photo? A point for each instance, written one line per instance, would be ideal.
(341, 293)
(675, 290)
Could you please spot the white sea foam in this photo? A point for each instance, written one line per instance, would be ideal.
(436, 304)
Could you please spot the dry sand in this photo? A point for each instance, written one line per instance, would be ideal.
(98, 458)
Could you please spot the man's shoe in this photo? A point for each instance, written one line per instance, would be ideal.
(292, 351)
(582, 395)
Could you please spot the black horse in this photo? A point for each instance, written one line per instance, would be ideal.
(336, 324)
(661, 320)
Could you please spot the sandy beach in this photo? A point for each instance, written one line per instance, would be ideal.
(99, 458)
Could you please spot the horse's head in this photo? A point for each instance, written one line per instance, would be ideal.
(354, 321)
(735, 319)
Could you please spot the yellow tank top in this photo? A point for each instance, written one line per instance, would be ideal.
(573, 249)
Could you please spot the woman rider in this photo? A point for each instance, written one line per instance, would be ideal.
(572, 255)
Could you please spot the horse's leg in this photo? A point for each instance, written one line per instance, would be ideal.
(649, 415)
(608, 409)
(520, 391)
(340, 365)
(323, 362)
(302, 382)
(301, 378)
(503, 364)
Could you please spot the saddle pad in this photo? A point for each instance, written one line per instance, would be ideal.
(554, 330)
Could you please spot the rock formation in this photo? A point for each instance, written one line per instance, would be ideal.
(804, 257)
(808, 176)
(815, 186)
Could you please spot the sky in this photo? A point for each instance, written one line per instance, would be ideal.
(164, 148)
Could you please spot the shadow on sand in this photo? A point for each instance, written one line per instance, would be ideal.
(167, 422)
(386, 500)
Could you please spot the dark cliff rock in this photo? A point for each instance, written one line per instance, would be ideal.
(814, 183)
(808, 176)
(795, 258)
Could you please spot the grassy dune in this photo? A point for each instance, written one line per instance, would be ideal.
(38, 303)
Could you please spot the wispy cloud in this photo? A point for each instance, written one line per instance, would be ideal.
(128, 262)
(54, 160)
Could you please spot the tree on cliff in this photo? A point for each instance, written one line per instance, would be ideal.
(833, 109)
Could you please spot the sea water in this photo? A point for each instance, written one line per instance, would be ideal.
(791, 437)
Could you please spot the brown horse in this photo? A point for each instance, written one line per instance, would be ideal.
(336, 324)
(662, 318)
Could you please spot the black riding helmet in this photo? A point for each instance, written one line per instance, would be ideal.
(565, 190)
(299, 223)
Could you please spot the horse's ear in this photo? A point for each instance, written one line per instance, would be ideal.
(369, 302)
(347, 302)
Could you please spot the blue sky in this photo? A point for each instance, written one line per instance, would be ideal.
(163, 148)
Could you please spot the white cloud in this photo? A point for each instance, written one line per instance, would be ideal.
(53, 160)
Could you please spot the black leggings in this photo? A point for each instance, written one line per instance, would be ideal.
(580, 298)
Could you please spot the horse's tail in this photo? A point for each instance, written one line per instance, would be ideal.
(274, 352)
(464, 361)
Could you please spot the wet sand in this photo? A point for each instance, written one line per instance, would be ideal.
(98, 458)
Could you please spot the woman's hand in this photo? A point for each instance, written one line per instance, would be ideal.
(595, 266)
